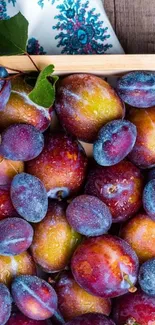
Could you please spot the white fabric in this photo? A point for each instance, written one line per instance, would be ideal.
(79, 26)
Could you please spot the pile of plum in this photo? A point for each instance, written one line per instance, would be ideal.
(77, 202)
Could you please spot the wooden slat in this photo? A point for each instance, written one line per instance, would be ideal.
(102, 65)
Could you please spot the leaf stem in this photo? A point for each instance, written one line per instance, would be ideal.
(29, 56)
(12, 76)
(16, 70)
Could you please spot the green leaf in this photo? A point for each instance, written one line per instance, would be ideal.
(13, 35)
(43, 93)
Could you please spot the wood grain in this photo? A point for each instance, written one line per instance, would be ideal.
(134, 23)
(104, 65)
(109, 6)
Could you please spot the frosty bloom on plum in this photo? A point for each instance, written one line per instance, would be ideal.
(81, 30)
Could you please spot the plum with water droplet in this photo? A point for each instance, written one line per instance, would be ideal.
(84, 103)
(120, 187)
(74, 301)
(143, 152)
(61, 166)
(105, 266)
(137, 309)
(29, 197)
(16, 236)
(5, 304)
(89, 216)
(34, 297)
(89, 319)
(20, 109)
(5, 88)
(137, 88)
(11, 266)
(54, 240)
(139, 232)
(114, 142)
(21, 142)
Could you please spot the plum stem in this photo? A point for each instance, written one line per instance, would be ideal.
(132, 288)
(131, 321)
(59, 195)
(51, 281)
(29, 56)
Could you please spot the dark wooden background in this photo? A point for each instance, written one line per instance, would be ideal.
(134, 23)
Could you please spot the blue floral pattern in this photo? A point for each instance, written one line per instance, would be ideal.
(81, 30)
(33, 47)
(41, 2)
(13, 2)
(3, 10)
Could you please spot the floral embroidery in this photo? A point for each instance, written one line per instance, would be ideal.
(81, 30)
(13, 2)
(41, 2)
(3, 10)
(33, 47)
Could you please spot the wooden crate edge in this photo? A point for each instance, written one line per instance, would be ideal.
(99, 64)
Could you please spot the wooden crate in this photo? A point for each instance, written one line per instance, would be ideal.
(97, 64)
(102, 65)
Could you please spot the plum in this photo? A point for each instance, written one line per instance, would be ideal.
(5, 88)
(137, 309)
(5, 304)
(105, 266)
(54, 240)
(20, 319)
(20, 109)
(61, 166)
(34, 297)
(74, 301)
(151, 174)
(6, 207)
(8, 169)
(89, 216)
(16, 236)
(84, 103)
(89, 319)
(120, 187)
(139, 232)
(12, 266)
(21, 142)
(143, 153)
(114, 142)
(29, 197)
(146, 277)
(137, 88)
(149, 199)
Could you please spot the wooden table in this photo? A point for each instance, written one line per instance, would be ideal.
(134, 23)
